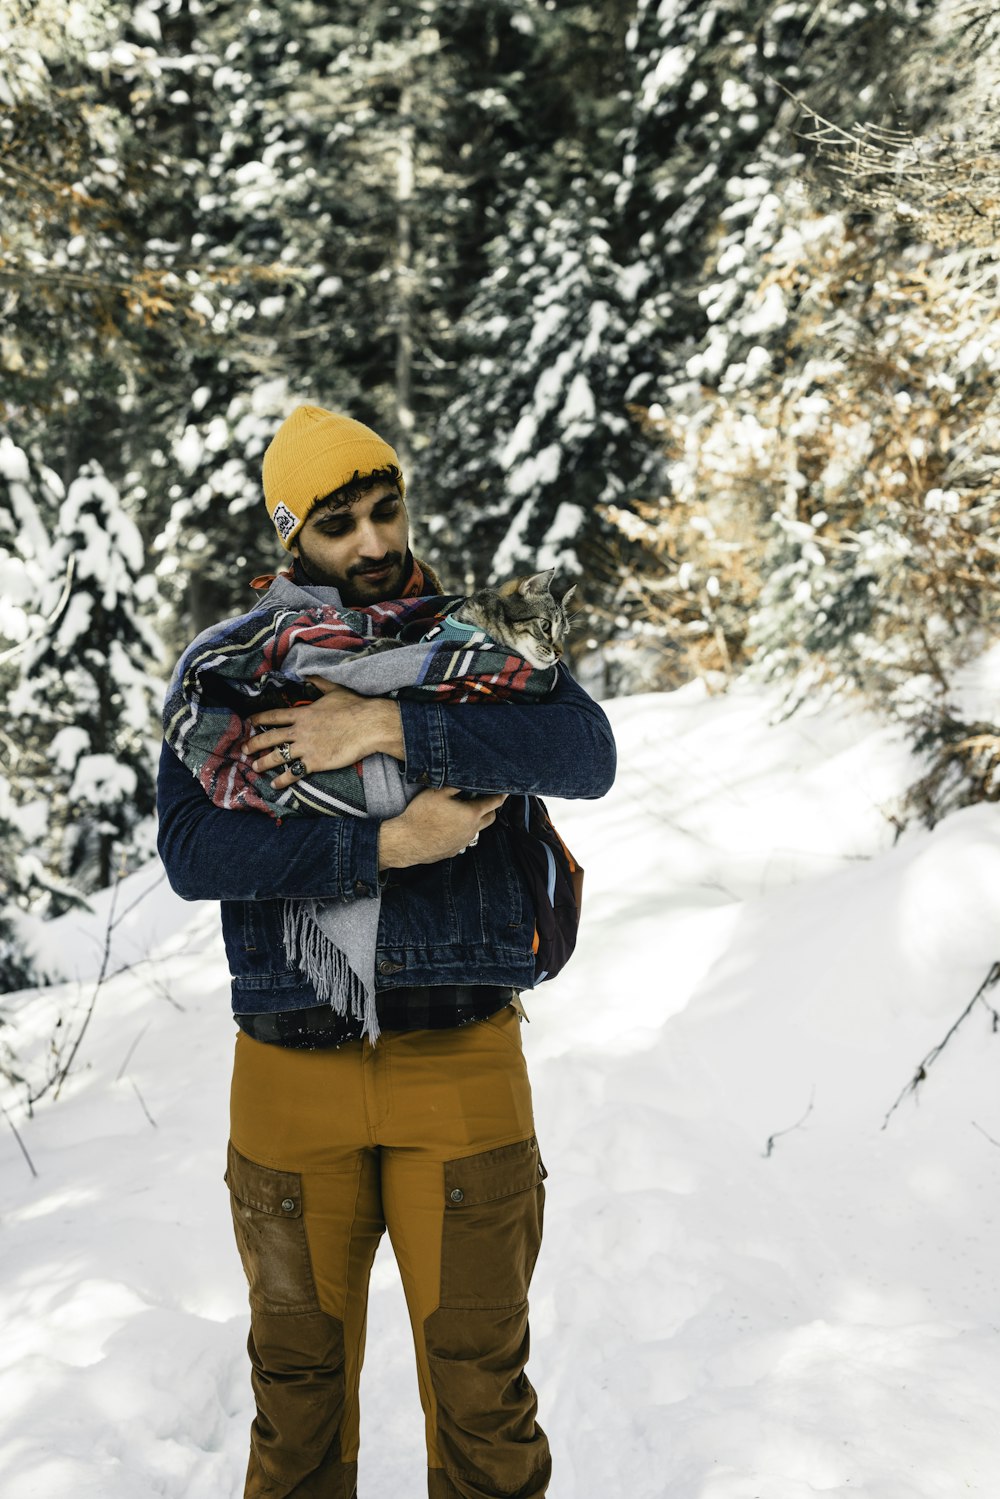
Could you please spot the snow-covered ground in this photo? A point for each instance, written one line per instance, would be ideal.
(710, 1320)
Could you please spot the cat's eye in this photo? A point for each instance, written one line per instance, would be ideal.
(545, 626)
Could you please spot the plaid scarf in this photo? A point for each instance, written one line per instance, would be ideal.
(259, 660)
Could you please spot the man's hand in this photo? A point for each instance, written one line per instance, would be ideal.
(340, 729)
(436, 825)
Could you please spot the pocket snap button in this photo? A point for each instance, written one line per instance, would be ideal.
(288, 1205)
(457, 1195)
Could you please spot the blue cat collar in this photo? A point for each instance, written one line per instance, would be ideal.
(459, 629)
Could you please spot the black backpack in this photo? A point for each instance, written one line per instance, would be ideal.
(554, 880)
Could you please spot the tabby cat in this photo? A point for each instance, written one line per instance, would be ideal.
(523, 615)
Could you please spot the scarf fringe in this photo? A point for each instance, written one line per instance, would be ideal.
(326, 966)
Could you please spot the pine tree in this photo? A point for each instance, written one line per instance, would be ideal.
(27, 490)
(541, 437)
(314, 142)
(713, 195)
(87, 683)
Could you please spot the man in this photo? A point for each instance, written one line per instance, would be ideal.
(429, 1131)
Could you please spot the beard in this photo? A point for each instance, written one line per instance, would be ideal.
(357, 587)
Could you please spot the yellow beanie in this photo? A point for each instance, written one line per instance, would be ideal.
(313, 453)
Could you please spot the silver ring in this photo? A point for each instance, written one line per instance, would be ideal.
(297, 768)
(285, 751)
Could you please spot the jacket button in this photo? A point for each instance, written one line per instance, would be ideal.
(288, 1205)
(360, 888)
(423, 779)
(457, 1194)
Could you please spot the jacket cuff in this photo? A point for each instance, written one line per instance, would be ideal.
(359, 873)
(424, 743)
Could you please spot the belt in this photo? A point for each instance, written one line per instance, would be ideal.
(409, 1008)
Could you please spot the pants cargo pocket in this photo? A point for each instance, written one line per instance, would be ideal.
(296, 1350)
(493, 1204)
(477, 1340)
(271, 1236)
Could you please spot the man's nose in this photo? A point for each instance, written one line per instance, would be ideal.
(370, 544)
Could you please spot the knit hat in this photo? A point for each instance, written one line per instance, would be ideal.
(313, 453)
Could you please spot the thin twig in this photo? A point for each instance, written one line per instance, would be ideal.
(128, 1055)
(140, 898)
(797, 1125)
(142, 1102)
(921, 1073)
(62, 1073)
(17, 1137)
(982, 1131)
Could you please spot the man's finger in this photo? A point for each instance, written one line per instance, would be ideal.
(260, 743)
(273, 718)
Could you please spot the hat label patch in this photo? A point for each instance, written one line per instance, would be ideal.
(284, 521)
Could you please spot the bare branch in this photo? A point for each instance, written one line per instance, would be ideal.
(797, 1125)
(62, 1072)
(17, 1137)
(142, 1102)
(921, 1073)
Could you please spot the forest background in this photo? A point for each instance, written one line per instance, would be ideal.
(696, 303)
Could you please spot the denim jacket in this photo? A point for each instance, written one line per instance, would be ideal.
(465, 920)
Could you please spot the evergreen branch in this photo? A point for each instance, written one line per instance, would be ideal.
(992, 977)
(48, 618)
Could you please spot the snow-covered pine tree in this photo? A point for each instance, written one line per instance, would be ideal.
(318, 158)
(17, 970)
(540, 436)
(711, 183)
(549, 353)
(27, 492)
(88, 684)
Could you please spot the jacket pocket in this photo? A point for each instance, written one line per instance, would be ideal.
(492, 1230)
(271, 1236)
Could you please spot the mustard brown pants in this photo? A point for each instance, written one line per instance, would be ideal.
(429, 1134)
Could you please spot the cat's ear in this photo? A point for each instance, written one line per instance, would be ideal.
(536, 584)
(567, 596)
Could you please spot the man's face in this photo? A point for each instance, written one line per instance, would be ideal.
(360, 548)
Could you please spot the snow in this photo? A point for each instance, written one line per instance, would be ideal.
(761, 965)
(68, 745)
(671, 67)
(189, 450)
(13, 462)
(102, 781)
